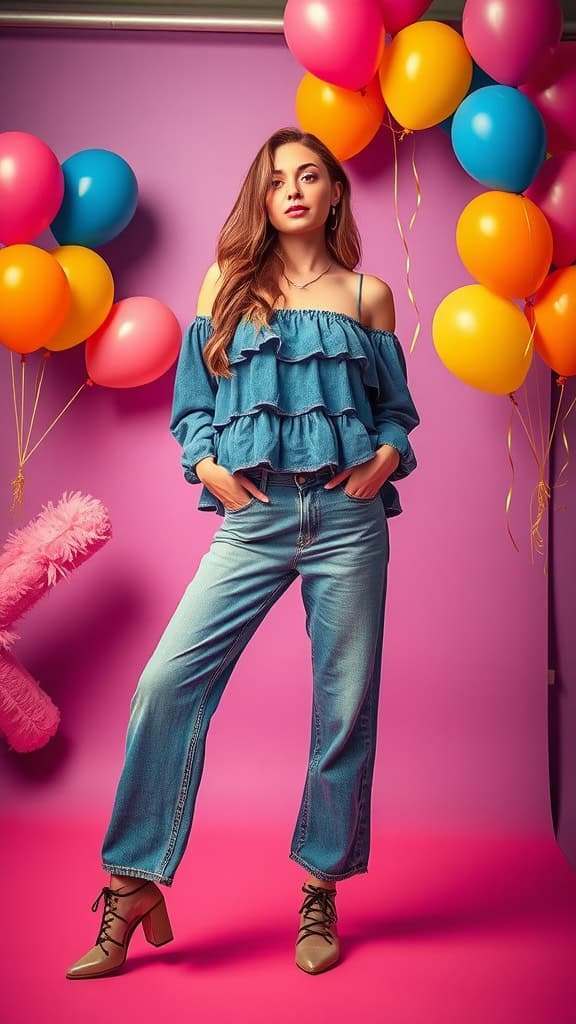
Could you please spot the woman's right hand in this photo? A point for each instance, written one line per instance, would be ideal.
(230, 488)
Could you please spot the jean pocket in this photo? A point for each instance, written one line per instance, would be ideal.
(362, 501)
(234, 511)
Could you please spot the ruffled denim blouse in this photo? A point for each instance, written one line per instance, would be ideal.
(314, 389)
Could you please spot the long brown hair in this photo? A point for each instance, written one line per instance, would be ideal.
(249, 266)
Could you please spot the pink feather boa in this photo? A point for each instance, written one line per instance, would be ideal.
(33, 559)
(58, 540)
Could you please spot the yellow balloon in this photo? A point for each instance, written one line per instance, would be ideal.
(482, 339)
(425, 74)
(92, 294)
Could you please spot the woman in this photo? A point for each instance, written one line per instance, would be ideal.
(292, 410)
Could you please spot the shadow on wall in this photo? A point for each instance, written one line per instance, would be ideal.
(562, 635)
(112, 611)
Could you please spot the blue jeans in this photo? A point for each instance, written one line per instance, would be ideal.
(338, 545)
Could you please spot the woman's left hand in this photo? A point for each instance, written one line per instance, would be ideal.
(365, 480)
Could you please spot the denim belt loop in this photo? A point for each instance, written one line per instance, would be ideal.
(264, 480)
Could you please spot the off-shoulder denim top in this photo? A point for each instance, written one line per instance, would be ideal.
(316, 388)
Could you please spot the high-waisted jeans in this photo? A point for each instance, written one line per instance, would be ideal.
(338, 545)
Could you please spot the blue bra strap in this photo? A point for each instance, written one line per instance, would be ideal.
(360, 295)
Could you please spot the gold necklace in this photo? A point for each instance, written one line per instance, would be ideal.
(294, 285)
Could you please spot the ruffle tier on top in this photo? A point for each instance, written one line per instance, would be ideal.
(307, 391)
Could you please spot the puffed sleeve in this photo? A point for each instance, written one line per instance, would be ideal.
(194, 399)
(394, 411)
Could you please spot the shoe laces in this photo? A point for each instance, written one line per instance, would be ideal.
(319, 901)
(111, 897)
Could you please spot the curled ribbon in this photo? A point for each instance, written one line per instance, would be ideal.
(561, 382)
(509, 495)
(402, 134)
(542, 492)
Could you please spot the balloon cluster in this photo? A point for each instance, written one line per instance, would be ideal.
(518, 239)
(506, 91)
(58, 299)
(353, 76)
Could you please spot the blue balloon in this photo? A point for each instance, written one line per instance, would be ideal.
(100, 198)
(498, 135)
(479, 80)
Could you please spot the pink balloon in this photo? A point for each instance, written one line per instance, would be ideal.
(336, 40)
(553, 90)
(510, 38)
(554, 191)
(139, 340)
(399, 13)
(31, 187)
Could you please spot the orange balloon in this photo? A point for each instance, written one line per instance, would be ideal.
(554, 311)
(34, 297)
(345, 120)
(506, 243)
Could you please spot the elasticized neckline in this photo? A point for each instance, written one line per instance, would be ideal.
(330, 313)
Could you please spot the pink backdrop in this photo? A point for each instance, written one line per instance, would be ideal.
(463, 712)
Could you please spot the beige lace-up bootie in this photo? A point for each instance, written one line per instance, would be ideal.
(317, 946)
(123, 912)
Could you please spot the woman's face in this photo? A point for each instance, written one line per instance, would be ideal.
(300, 178)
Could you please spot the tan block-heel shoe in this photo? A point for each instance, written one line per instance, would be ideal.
(145, 905)
(317, 946)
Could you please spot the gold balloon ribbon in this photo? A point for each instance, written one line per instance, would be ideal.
(529, 305)
(509, 495)
(540, 418)
(534, 529)
(87, 383)
(23, 454)
(542, 492)
(417, 183)
(402, 134)
(46, 355)
(561, 382)
(18, 483)
(528, 433)
(516, 408)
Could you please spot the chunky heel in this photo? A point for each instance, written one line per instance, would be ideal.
(123, 912)
(156, 925)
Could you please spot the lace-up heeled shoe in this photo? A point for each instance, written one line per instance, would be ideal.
(123, 912)
(317, 946)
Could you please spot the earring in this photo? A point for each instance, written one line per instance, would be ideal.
(334, 225)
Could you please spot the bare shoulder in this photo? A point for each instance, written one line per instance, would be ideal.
(208, 290)
(378, 304)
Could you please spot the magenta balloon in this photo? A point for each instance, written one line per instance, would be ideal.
(336, 40)
(31, 187)
(510, 38)
(553, 90)
(139, 340)
(399, 13)
(554, 191)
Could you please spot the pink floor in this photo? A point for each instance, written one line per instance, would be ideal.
(443, 928)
